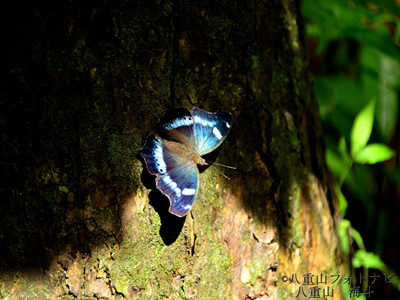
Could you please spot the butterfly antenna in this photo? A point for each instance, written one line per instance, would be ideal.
(223, 174)
(221, 165)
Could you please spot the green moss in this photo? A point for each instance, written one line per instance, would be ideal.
(122, 150)
(217, 264)
(211, 196)
(156, 271)
(255, 62)
(257, 269)
(148, 265)
(246, 236)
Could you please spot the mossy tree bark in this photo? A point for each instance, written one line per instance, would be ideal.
(86, 82)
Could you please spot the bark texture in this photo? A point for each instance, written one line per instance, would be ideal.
(86, 82)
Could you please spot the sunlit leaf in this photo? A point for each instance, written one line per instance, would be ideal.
(362, 128)
(344, 235)
(374, 153)
(367, 259)
(357, 238)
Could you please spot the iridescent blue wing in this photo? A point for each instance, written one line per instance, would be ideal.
(209, 130)
(154, 155)
(180, 126)
(177, 177)
(200, 130)
(180, 186)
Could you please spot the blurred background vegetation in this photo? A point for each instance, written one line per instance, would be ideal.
(354, 56)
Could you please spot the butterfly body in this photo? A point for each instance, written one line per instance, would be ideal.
(197, 132)
(184, 151)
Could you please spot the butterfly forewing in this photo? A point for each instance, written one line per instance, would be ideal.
(200, 130)
(180, 127)
(209, 129)
(154, 154)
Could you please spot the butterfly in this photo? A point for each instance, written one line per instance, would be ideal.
(192, 134)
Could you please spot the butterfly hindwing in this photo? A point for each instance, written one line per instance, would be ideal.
(177, 177)
(180, 185)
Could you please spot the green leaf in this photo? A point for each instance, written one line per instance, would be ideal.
(362, 128)
(335, 163)
(344, 235)
(378, 38)
(374, 153)
(357, 238)
(370, 260)
(367, 259)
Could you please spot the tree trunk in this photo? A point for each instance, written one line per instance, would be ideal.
(85, 84)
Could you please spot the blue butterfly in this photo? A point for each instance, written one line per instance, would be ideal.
(196, 133)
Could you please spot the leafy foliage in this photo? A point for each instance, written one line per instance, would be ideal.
(355, 58)
(374, 153)
(362, 128)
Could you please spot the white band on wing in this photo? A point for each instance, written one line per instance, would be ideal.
(188, 192)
